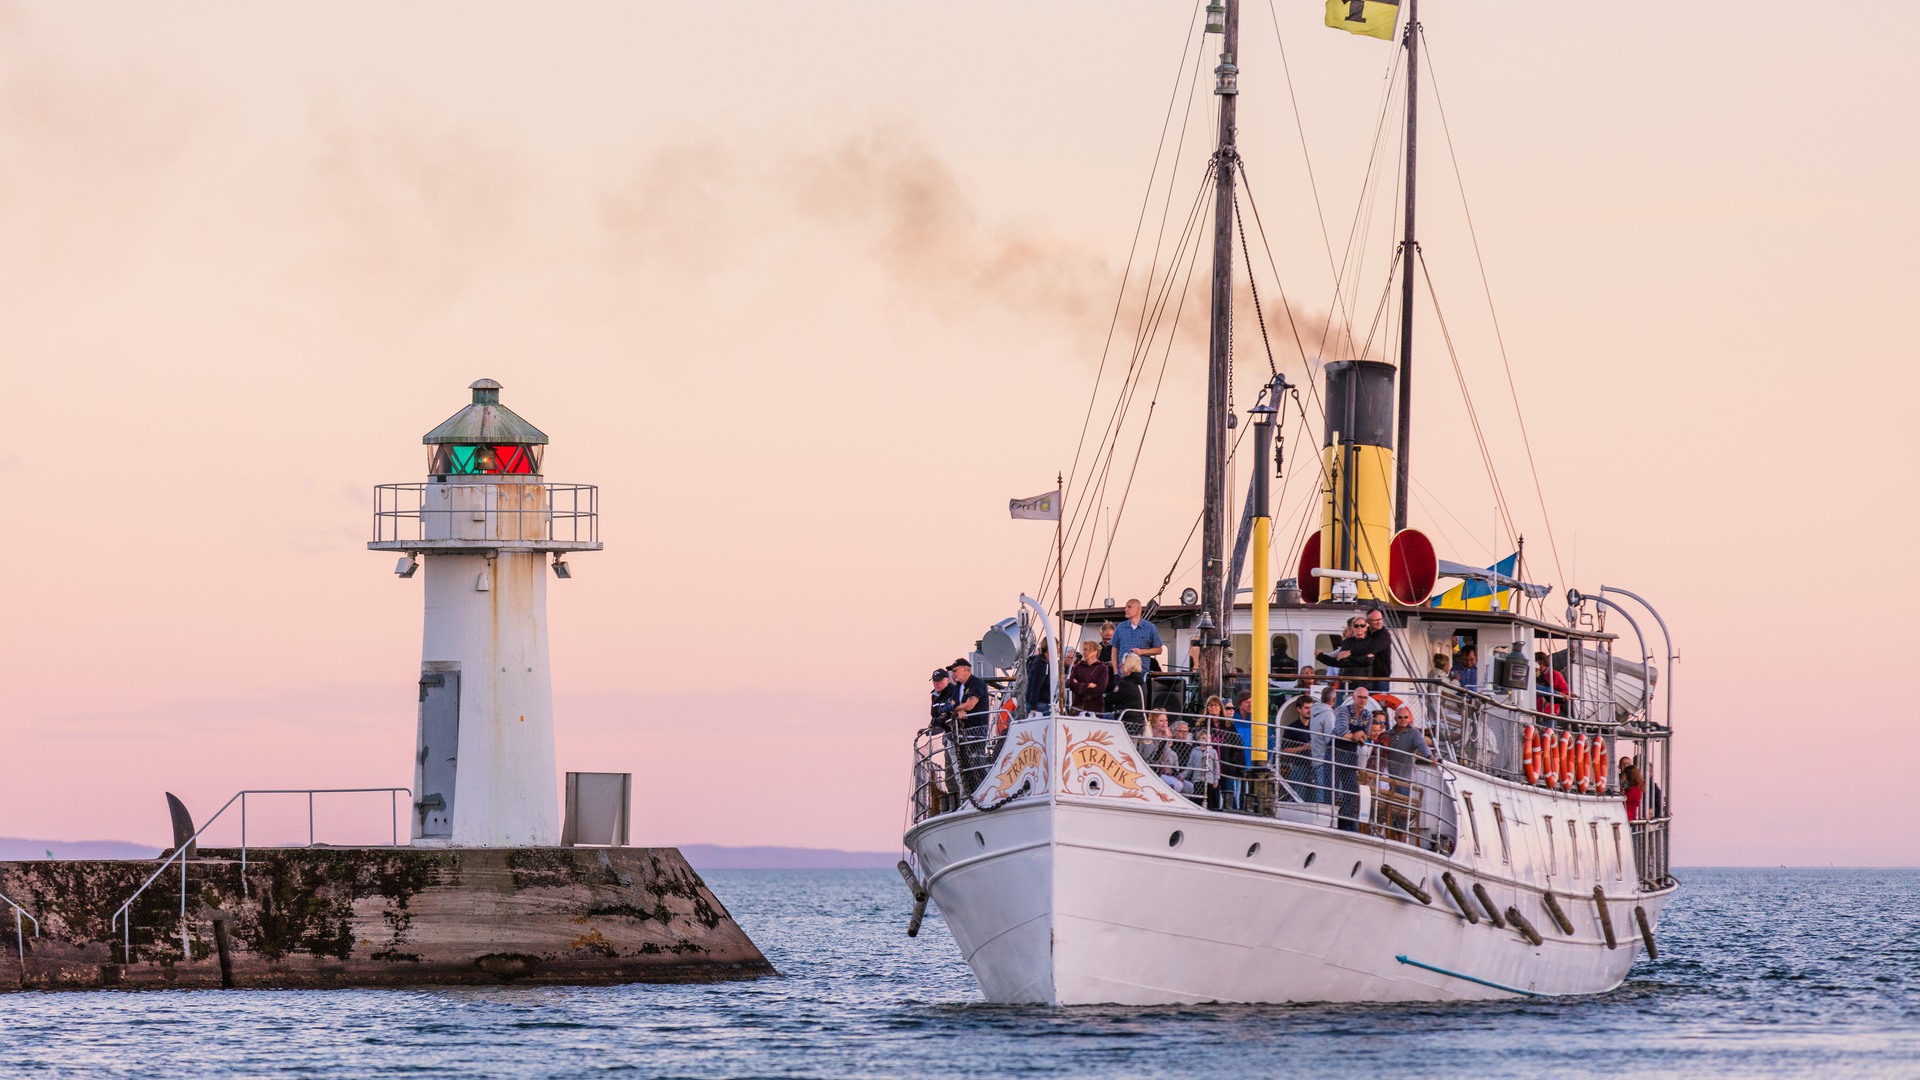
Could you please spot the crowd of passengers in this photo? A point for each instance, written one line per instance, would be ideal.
(1339, 737)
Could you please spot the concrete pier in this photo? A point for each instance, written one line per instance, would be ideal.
(376, 917)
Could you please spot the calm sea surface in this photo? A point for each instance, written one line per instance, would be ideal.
(1762, 973)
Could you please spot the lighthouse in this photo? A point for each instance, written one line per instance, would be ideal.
(487, 528)
(471, 901)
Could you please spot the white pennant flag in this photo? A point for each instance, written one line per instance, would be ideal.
(1039, 508)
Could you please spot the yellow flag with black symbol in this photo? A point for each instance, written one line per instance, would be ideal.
(1374, 18)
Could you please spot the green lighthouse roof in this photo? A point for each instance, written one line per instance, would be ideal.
(486, 422)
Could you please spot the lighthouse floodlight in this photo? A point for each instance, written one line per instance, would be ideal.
(560, 568)
(409, 564)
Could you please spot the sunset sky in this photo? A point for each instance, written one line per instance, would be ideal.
(810, 290)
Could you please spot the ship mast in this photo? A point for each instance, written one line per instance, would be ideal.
(1409, 250)
(1226, 161)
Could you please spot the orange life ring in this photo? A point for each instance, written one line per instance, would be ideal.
(1583, 754)
(1549, 759)
(1568, 761)
(1005, 720)
(1532, 757)
(1600, 763)
(1392, 702)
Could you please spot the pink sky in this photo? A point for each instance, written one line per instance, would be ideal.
(811, 290)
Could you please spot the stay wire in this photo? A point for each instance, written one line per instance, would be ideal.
(1137, 368)
(1319, 214)
(1473, 416)
(1369, 185)
(1196, 45)
(1253, 287)
(1082, 521)
(1159, 381)
(1153, 303)
(1500, 338)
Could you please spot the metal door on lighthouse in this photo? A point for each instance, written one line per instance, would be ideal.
(439, 750)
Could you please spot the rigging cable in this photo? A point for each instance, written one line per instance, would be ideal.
(1253, 287)
(1159, 380)
(1320, 215)
(1137, 369)
(1473, 417)
(1355, 231)
(1152, 311)
(1512, 390)
(1139, 223)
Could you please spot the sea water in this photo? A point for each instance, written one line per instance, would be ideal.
(1761, 973)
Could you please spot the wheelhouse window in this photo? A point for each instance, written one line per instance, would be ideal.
(1284, 651)
(452, 459)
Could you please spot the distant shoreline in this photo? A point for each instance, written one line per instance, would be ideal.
(700, 856)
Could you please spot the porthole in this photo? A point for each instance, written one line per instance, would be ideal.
(1309, 861)
(1253, 850)
(1355, 872)
(1174, 840)
(978, 839)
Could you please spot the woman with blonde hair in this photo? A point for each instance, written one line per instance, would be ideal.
(1128, 698)
(1157, 754)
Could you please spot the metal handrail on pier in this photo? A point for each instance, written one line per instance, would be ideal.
(123, 917)
(20, 930)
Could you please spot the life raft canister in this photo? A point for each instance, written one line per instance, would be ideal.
(1533, 757)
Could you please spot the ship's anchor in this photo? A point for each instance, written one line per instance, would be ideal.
(919, 898)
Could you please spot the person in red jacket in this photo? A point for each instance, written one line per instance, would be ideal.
(1550, 687)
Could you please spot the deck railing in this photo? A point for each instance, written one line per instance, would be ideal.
(1377, 791)
(1462, 726)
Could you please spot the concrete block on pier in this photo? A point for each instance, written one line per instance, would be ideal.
(372, 917)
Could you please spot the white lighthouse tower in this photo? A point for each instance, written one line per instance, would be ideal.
(485, 524)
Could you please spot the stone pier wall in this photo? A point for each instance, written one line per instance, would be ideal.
(360, 917)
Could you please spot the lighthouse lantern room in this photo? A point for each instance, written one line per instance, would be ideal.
(483, 525)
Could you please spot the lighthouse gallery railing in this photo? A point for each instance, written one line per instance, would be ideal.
(567, 515)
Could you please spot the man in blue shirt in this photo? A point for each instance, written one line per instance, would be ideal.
(1467, 669)
(1136, 635)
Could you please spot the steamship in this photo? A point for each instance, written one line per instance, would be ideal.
(1072, 868)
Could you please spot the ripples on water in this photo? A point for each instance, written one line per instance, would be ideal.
(1774, 972)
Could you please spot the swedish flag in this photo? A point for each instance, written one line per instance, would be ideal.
(1374, 18)
(1476, 595)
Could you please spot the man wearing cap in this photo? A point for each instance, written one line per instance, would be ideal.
(945, 696)
(970, 717)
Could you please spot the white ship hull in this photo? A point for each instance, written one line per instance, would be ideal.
(1101, 892)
